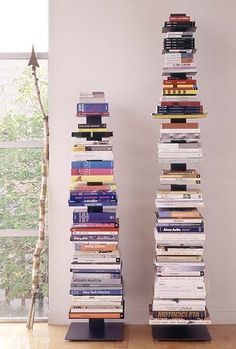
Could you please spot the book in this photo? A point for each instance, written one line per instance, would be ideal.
(92, 164)
(96, 315)
(92, 108)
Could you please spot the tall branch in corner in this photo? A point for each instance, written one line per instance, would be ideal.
(43, 195)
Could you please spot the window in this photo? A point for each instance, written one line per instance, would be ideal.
(20, 155)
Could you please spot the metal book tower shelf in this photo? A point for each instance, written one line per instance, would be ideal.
(96, 288)
(178, 310)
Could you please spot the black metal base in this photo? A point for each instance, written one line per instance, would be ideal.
(180, 333)
(81, 331)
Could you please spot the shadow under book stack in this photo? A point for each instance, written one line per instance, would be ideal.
(96, 284)
(178, 311)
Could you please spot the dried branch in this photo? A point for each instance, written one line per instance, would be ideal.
(43, 195)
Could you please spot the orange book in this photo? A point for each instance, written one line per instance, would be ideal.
(98, 247)
(96, 315)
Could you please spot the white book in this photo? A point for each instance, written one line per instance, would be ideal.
(180, 204)
(92, 97)
(179, 279)
(94, 232)
(97, 242)
(179, 155)
(94, 260)
(93, 275)
(153, 321)
(178, 98)
(84, 141)
(174, 34)
(179, 130)
(183, 181)
(96, 310)
(181, 295)
(179, 69)
(161, 251)
(97, 303)
(97, 298)
(178, 160)
(92, 155)
(96, 266)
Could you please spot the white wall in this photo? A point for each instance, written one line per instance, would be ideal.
(115, 46)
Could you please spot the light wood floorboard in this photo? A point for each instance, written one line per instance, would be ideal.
(16, 336)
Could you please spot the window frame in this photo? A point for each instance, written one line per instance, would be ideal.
(20, 145)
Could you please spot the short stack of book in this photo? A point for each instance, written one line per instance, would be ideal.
(179, 287)
(96, 284)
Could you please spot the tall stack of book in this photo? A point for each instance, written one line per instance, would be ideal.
(179, 288)
(96, 284)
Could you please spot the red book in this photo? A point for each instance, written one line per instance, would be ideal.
(180, 82)
(180, 103)
(179, 18)
(180, 125)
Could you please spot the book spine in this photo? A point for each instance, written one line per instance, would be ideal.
(92, 107)
(91, 171)
(92, 164)
(96, 315)
(93, 217)
(96, 292)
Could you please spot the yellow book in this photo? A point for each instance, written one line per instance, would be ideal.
(92, 129)
(179, 92)
(103, 179)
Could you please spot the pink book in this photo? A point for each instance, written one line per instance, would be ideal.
(91, 171)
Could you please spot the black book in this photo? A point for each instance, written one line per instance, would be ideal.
(91, 134)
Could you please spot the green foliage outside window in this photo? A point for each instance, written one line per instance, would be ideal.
(20, 177)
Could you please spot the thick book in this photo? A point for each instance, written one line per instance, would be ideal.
(91, 134)
(96, 315)
(91, 171)
(92, 108)
(92, 164)
(180, 228)
(108, 292)
(93, 217)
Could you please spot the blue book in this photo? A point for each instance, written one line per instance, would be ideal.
(80, 194)
(94, 217)
(92, 196)
(92, 108)
(77, 203)
(167, 212)
(96, 292)
(92, 164)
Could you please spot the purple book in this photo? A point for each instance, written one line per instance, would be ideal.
(94, 217)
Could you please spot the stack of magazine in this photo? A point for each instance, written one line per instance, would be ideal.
(96, 284)
(179, 288)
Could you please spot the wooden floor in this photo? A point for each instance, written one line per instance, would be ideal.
(15, 336)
